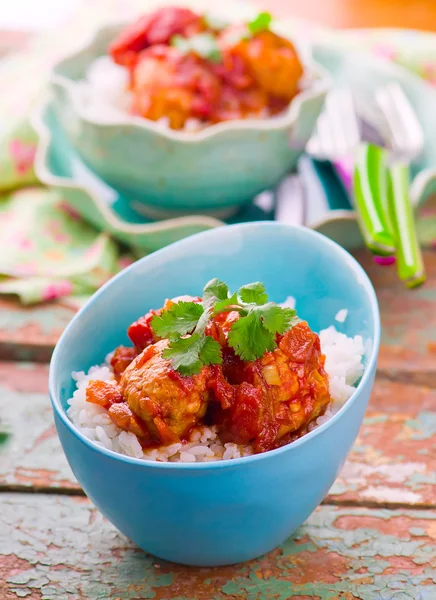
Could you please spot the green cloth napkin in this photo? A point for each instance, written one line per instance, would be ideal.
(47, 251)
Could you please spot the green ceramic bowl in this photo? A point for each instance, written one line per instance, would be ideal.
(170, 173)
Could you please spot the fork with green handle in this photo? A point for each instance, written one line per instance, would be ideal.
(370, 193)
(380, 180)
(338, 138)
(410, 265)
(405, 139)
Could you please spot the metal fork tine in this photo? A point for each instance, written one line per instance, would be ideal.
(404, 127)
(344, 121)
(371, 114)
(337, 132)
(410, 119)
(325, 137)
(337, 135)
(389, 110)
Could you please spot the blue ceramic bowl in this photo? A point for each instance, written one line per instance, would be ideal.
(172, 173)
(230, 511)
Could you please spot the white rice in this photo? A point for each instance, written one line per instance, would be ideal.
(341, 315)
(344, 365)
(103, 95)
(289, 302)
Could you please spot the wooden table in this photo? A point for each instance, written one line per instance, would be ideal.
(373, 538)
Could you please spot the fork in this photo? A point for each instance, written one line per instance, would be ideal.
(361, 166)
(406, 141)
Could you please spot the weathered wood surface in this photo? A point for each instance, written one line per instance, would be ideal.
(338, 554)
(408, 347)
(30, 333)
(31, 457)
(408, 350)
(367, 542)
(392, 462)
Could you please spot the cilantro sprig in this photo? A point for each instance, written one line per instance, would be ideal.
(260, 23)
(254, 333)
(202, 44)
(205, 44)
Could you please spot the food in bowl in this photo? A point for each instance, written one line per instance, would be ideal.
(229, 510)
(218, 377)
(165, 172)
(186, 70)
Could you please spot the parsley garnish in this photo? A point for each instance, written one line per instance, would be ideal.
(253, 334)
(260, 23)
(180, 319)
(202, 44)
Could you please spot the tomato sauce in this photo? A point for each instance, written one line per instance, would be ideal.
(249, 76)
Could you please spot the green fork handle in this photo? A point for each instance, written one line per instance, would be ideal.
(410, 265)
(370, 185)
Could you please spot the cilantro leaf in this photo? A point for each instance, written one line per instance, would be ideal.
(189, 354)
(249, 338)
(203, 322)
(213, 291)
(184, 354)
(275, 318)
(253, 293)
(254, 333)
(216, 288)
(222, 305)
(210, 352)
(260, 23)
(180, 319)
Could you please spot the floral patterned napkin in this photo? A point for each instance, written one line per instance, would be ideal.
(47, 252)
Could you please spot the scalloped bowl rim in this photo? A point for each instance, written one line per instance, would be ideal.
(320, 87)
(236, 462)
(46, 176)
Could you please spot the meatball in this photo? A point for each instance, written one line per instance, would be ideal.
(166, 402)
(240, 104)
(167, 83)
(266, 401)
(273, 63)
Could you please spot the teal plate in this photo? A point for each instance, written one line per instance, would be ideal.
(58, 165)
